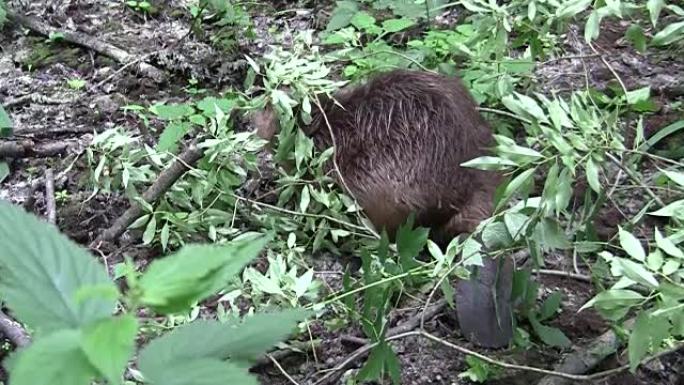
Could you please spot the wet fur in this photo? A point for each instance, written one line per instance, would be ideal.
(400, 139)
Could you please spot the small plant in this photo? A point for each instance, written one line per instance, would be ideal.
(62, 196)
(78, 340)
(76, 84)
(140, 6)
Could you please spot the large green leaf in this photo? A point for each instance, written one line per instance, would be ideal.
(109, 344)
(48, 281)
(212, 339)
(174, 283)
(56, 359)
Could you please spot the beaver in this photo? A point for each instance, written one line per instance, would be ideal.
(400, 139)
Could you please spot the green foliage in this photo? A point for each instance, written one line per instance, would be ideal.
(73, 290)
(561, 139)
(478, 370)
(140, 6)
(78, 340)
(228, 22)
(199, 205)
(3, 13)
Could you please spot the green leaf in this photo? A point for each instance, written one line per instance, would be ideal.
(209, 104)
(109, 344)
(410, 242)
(164, 236)
(591, 28)
(56, 359)
(519, 154)
(532, 10)
(550, 306)
(524, 106)
(396, 25)
(671, 266)
(174, 283)
(515, 224)
(631, 245)
(382, 360)
(550, 235)
(674, 209)
(654, 9)
(239, 342)
(495, 235)
(572, 8)
(490, 163)
(518, 183)
(559, 116)
(639, 340)
(172, 135)
(638, 96)
(342, 15)
(669, 34)
(42, 272)
(637, 272)
(4, 171)
(362, 20)
(614, 298)
(635, 35)
(305, 199)
(676, 177)
(666, 245)
(654, 260)
(172, 111)
(150, 231)
(5, 124)
(593, 176)
(549, 335)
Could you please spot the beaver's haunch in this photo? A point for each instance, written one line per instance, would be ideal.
(400, 139)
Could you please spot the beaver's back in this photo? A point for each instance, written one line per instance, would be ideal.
(401, 138)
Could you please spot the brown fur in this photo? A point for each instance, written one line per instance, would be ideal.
(400, 139)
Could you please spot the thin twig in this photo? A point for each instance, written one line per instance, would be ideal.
(635, 179)
(277, 365)
(610, 68)
(566, 274)
(296, 213)
(50, 204)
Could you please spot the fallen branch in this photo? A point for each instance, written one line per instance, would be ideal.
(165, 180)
(36, 98)
(13, 331)
(31, 149)
(78, 38)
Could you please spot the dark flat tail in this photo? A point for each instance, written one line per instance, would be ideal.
(483, 303)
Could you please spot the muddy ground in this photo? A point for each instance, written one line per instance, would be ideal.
(47, 112)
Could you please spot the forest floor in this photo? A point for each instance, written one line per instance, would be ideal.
(54, 121)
